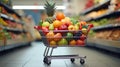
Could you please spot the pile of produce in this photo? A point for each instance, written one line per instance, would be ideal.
(100, 22)
(65, 31)
(61, 30)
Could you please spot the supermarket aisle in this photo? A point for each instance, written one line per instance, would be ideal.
(32, 57)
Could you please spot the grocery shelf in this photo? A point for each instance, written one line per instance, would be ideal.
(1, 45)
(1, 48)
(106, 27)
(12, 29)
(96, 7)
(5, 16)
(109, 45)
(88, 20)
(10, 18)
(106, 15)
(9, 10)
(15, 43)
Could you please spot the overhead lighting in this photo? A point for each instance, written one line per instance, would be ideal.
(36, 7)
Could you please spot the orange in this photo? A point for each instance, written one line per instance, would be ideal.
(72, 42)
(57, 23)
(83, 23)
(50, 36)
(52, 43)
(60, 16)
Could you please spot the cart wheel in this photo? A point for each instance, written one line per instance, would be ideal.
(45, 60)
(82, 61)
(72, 60)
(48, 63)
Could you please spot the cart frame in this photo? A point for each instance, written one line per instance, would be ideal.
(49, 50)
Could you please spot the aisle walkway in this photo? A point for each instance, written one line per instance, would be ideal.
(33, 57)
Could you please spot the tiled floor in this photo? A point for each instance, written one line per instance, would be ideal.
(33, 57)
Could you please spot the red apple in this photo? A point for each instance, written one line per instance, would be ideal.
(83, 37)
(66, 21)
(56, 30)
(80, 42)
(68, 24)
(45, 30)
(63, 27)
(37, 27)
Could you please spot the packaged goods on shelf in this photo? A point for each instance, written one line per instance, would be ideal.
(106, 33)
(95, 14)
(12, 32)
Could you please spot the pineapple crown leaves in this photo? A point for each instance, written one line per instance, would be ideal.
(49, 6)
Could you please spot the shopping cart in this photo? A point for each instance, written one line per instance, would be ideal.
(49, 49)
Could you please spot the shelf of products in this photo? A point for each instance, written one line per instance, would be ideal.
(16, 43)
(106, 15)
(10, 10)
(96, 7)
(106, 31)
(106, 27)
(109, 45)
(12, 29)
(10, 18)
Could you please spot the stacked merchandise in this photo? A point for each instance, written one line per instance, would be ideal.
(105, 17)
(12, 31)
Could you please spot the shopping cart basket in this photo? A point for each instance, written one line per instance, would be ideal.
(49, 49)
(77, 34)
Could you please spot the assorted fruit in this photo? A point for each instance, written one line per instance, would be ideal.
(60, 30)
(65, 31)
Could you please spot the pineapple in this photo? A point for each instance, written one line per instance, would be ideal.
(50, 10)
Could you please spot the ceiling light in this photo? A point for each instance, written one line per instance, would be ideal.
(36, 7)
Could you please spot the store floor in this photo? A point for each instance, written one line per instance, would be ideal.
(33, 57)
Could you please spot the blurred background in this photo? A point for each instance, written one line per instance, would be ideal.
(18, 18)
